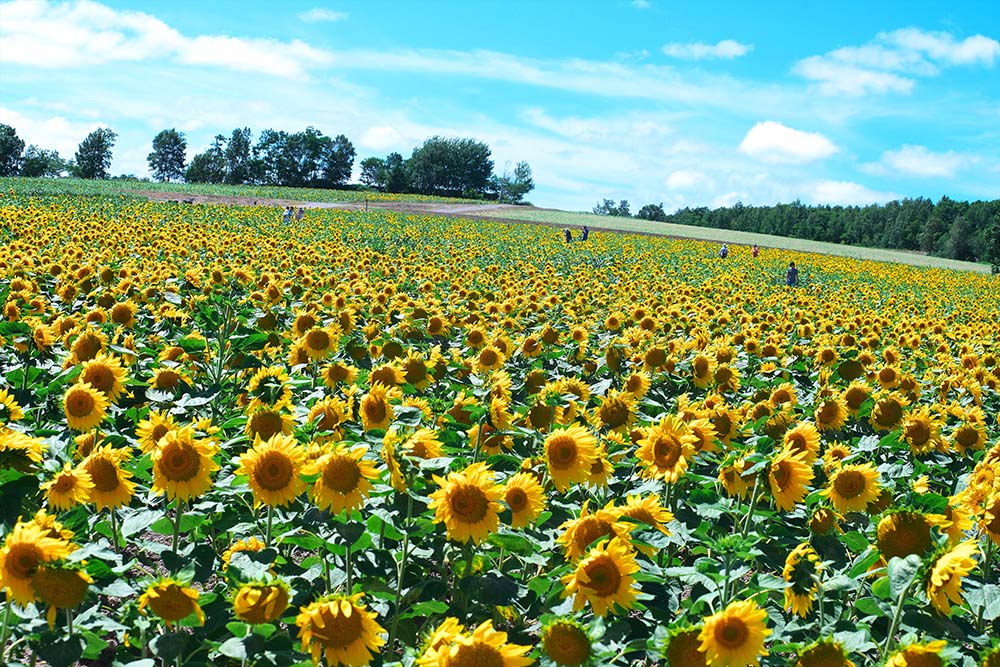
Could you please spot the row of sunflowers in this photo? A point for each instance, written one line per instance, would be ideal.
(369, 438)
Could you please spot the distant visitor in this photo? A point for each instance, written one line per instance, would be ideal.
(724, 251)
(300, 213)
(287, 217)
(756, 250)
(792, 276)
(586, 233)
(568, 235)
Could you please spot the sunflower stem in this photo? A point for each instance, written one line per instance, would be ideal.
(4, 629)
(69, 622)
(822, 615)
(270, 522)
(987, 567)
(725, 581)
(753, 506)
(400, 570)
(347, 565)
(177, 526)
(479, 436)
(326, 574)
(114, 528)
(898, 614)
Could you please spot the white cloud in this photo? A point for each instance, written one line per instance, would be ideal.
(727, 48)
(641, 4)
(847, 193)
(776, 143)
(321, 15)
(921, 162)
(685, 179)
(53, 133)
(380, 138)
(39, 33)
(629, 128)
(892, 61)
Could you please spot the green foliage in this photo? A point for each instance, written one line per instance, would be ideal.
(511, 188)
(93, 157)
(39, 162)
(11, 147)
(450, 166)
(166, 162)
(607, 207)
(653, 212)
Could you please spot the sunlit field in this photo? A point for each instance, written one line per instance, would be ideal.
(374, 438)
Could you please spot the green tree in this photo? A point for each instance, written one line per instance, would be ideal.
(238, 157)
(166, 162)
(39, 162)
(653, 212)
(373, 172)
(11, 147)
(210, 166)
(511, 188)
(607, 207)
(451, 167)
(93, 156)
(397, 178)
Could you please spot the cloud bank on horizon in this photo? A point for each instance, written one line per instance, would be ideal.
(683, 109)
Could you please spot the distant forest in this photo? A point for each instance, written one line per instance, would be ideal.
(960, 230)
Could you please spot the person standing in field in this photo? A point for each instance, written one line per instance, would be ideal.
(568, 235)
(724, 251)
(287, 217)
(300, 213)
(586, 233)
(792, 275)
(756, 250)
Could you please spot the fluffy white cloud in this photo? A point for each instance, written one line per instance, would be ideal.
(776, 143)
(727, 48)
(642, 4)
(52, 133)
(921, 162)
(322, 15)
(847, 193)
(39, 33)
(685, 179)
(892, 60)
(380, 138)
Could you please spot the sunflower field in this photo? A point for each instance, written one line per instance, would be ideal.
(373, 438)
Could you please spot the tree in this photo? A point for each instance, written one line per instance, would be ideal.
(238, 159)
(450, 166)
(607, 207)
(511, 188)
(337, 158)
(210, 166)
(93, 156)
(166, 162)
(39, 162)
(653, 212)
(11, 147)
(397, 178)
(373, 172)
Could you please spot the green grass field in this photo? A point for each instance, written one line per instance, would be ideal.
(640, 226)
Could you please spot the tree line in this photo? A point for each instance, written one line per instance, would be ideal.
(968, 231)
(444, 166)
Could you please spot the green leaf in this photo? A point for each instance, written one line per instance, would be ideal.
(234, 648)
(854, 541)
(901, 573)
(62, 652)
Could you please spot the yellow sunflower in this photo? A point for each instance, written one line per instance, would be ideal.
(105, 374)
(647, 510)
(70, 487)
(823, 653)
(273, 468)
(329, 414)
(616, 411)
(566, 643)
(26, 548)
(918, 655)
(666, 448)
(852, 487)
(113, 486)
(183, 465)
(152, 428)
(249, 544)
(341, 629)
(259, 602)
(902, 533)
(172, 601)
(944, 579)
(60, 587)
(922, 431)
(524, 496)
(85, 407)
(830, 414)
(485, 646)
(376, 410)
(10, 411)
(343, 481)
(803, 439)
(735, 636)
(443, 636)
(20, 450)
(423, 444)
(683, 647)
(801, 574)
(569, 455)
(267, 421)
(320, 342)
(887, 412)
(604, 578)
(336, 373)
(789, 477)
(579, 534)
(467, 503)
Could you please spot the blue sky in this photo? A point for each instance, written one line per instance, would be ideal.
(688, 104)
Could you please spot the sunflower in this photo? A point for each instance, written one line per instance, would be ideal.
(27, 547)
(18, 450)
(320, 342)
(824, 520)
(70, 487)
(666, 448)
(732, 478)
(183, 465)
(105, 374)
(490, 439)
(124, 313)
(467, 503)
(85, 407)
(922, 431)
(10, 411)
(260, 602)
(151, 429)
(113, 486)
(704, 430)
(341, 629)
(616, 411)
(250, 544)
(485, 646)
(991, 657)
(569, 454)
(702, 370)
(604, 578)
(803, 439)
(918, 655)
(801, 574)
(267, 421)
(887, 412)
(647, 510)
(443, 636)
(852, 487)
(902, 533)
(336, 373)
(172, 601)
(823, 653)
(944, 579)
(683, 647)
(566, 643)
(989, 523)
(169, 378)
(524, 496)
(273, 468)
(423, 444)
(637, 384)
(343, 481)
(834, 457)
(580, 533)
(487, 359)
(269, 386)
(376, 409)
(735, 636)
(60, 587)
(830, 414)
(789, 477)
(855, 395)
